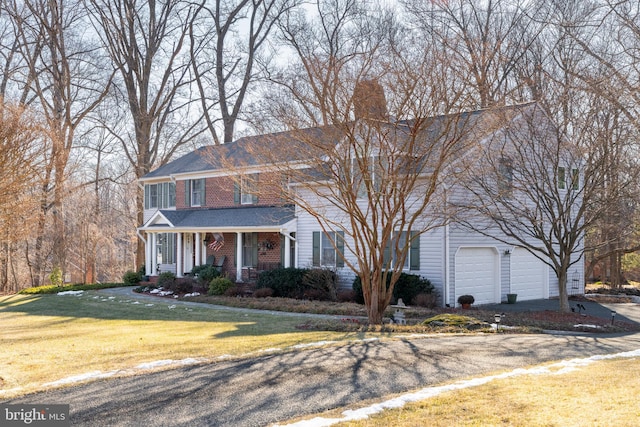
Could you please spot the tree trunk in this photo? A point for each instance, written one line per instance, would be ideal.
(140, 255)
(562, 290)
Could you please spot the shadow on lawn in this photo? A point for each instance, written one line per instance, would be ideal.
(279, 387)
(99, 305)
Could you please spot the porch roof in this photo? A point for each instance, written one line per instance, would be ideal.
(224, 219)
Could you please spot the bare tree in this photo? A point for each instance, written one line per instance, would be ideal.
(537, 190)
(146, 43)
(21, 146)
(228, 54)
(65, 79)
(337, 42)
(609, 41)
(483, 42)
(371, 182)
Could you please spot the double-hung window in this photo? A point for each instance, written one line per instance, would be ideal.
(166, 246)
(249, 249)
(505, 176)
(197, 191)
(325, 254)
(574, 178)
(194, 192)
(245, 191)
(412, 258)
(371, 180)
(160, 196)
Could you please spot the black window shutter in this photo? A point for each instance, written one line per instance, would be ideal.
(316, 249)
(187, 192)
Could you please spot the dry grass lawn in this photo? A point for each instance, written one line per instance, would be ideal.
(604, 393)
(46, 338)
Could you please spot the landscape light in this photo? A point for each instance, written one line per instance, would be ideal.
(497, 317)
(613, 316)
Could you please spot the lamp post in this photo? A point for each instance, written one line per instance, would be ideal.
(613, 316)
(497, 318)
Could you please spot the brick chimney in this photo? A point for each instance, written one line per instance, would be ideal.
(369, 101)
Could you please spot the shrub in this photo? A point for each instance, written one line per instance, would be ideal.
(183, 285)
(234, 291)
(407, 287)
(321, 284)
(314, 295)
(466, 299)
(426, 300)
(49, 289)
(285, 282)
(411, 285)
(204, 274)
(346, 295)
(56, 276)
(131, 278)
(263, 293)
(220, 285)
(166, 280)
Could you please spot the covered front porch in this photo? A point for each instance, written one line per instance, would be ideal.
(242, 241)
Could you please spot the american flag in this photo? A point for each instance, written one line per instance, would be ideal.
(216, 245)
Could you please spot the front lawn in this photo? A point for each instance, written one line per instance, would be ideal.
(46, 338)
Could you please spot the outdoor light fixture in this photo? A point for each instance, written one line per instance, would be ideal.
(613, 316)
(497, 318)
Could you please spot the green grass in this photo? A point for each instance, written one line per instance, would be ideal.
(49, 337)
(54, 289)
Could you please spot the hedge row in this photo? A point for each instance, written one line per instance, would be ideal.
(408, 287)
(52, 289)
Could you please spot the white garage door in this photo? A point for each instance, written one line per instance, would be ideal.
(477, 274)
(528, 276)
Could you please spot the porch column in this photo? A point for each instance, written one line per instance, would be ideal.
(147, 255)
(239, 260)
(287, 251)
(154, 254)
(203, 246)
(179, 255)
(198, 249)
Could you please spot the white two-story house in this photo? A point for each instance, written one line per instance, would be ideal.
(226, 203)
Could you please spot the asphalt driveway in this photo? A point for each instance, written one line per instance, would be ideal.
(628, 312)
(279, 387)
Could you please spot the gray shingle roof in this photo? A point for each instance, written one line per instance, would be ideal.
(289, 146)
(255, 216)
(241, 152)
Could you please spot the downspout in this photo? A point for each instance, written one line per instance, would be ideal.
(447, 277)
(141, 236)
(446, 264)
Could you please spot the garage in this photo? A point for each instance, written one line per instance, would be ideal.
(476, 273)
(529, 276)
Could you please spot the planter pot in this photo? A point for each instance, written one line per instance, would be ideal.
(511, 298)
(466, 306)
